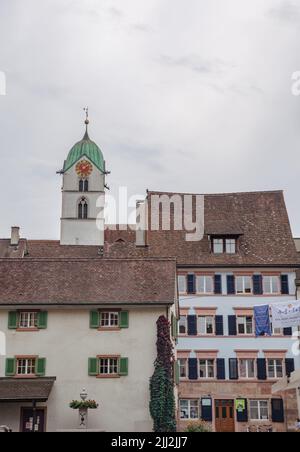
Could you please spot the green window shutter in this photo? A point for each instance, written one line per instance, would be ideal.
(93, 367)
(42, 320)
(176, 372)
(124, 319)
(10, 367)
(41, 367)
(13, 318)
(174, 326)
(123, 367)
(94, 319)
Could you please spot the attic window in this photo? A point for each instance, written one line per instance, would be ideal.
(224, 245)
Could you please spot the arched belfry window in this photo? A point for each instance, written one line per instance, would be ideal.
(83, 209)
(83, 185)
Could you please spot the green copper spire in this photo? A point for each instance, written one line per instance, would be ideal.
(85, 148)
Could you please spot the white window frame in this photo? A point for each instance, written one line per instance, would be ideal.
(275, 367)
(268, 281)
(113, 319)
(243, 279)
(245, 317)
(28, 320)
(248, 365)
(230, 245)
(26, 364)
(185, 324)
(204, 284)
(207, 366)
(182, 284)
(259, 409)
(111, 365)
(183, 363)
(206, 318)
(188, 410)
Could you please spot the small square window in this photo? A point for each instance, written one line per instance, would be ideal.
(108, 366)
(26, 366)
(28, 320)
(109, 319)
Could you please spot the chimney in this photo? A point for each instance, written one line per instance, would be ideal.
(15, 236)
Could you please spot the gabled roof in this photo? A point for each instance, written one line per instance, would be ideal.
(87, 281)
(260, 218)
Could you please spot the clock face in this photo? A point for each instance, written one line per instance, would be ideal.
(84, 168)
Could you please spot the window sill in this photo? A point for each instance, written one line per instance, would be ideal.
(27, 330)
(105, 377)
(24, 377)
(115, 328)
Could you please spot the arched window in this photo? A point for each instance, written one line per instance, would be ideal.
(83, 185)
(83, 209)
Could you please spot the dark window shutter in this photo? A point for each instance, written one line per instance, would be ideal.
(10, 367)
(221, 375)
(13, 320)
(233, 369)
(42, 320)
(242, 416)
(289, 366)
(218, 284)
(206, 410)
(123, 367)
(230, 285)
(41, 367)
(257, 285)
(192, 325)
(285, 285)
(288, 331)
(232, 325)
(93, 367)
(277, 410)
(94, 319)
(124, 319)
(261, 369)
(193, 369)
(219, 325)
(191, 284)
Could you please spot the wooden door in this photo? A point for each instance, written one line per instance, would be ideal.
(224, 410)
(32, 421)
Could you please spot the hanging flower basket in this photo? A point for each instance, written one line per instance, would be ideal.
(86, 404)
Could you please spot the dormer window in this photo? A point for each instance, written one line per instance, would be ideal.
(224, 245)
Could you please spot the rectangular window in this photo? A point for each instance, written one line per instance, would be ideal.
(230, 246)
(183, 324)
(271, 285)
(275, 368)
(183, 367)
(218, 246)
(245, 325)
(182, 284)
(205, 284)
(189, 409)
(28, 320)
(243, 284)
(247, 368)
(26, 366)
(108, 366)
(206, 325)
(109, 319)
(206, 368)
(276, 331)
(259, 410)
(222, 245)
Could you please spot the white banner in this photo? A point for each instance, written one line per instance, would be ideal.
(285, 315)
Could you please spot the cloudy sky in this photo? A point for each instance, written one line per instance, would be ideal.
(190, 96)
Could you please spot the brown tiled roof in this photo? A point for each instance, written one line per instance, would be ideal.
(13, 390)
(260, 218)
(87, 281)
(53, 249)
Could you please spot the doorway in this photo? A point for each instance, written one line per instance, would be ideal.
(224, 410)
(33, 420)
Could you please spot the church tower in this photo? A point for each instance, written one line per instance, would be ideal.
(83, 194)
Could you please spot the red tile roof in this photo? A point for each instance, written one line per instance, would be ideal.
(87, 281)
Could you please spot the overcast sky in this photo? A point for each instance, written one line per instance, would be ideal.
(190, 96)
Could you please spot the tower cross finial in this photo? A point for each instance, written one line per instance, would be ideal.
(86, 110)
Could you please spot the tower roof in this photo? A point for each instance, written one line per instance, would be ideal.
(85, 148)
